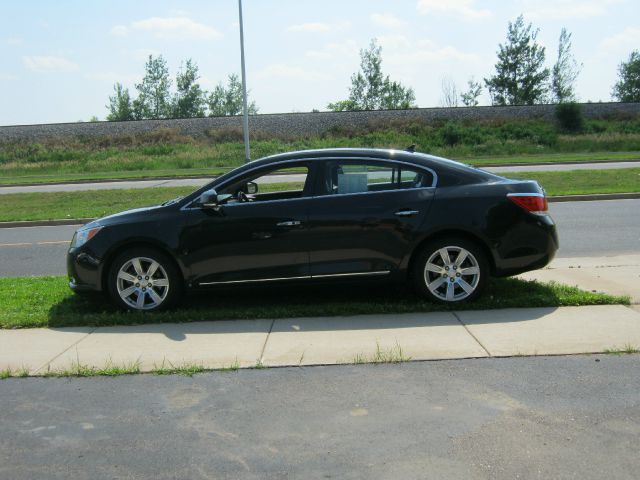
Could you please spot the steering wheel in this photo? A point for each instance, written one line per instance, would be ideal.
(243, 197)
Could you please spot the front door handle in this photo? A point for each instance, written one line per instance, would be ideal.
(289, 223)
(407, 213)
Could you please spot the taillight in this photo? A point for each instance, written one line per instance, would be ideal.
(531, 202)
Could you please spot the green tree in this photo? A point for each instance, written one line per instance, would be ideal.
(120, 106)
(189, 100)
(371, 90)
(470, 97)
(520, 77)
(223, 101)
(154, 97)
(627, 89)
(565, 71)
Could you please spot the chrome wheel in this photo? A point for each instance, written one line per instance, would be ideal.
(452, 273)
(142, 283)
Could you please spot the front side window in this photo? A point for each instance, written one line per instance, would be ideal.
(271, 184)
(345, 177)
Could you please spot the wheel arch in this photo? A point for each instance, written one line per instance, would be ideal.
(136, 243)
(451, 232)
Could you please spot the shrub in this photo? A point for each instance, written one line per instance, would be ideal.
(451, 134)
(569, 117)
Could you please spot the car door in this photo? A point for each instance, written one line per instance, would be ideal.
(264, 239)
(366, 216)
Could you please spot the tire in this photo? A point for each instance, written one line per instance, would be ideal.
(461, 279)
(130, 286)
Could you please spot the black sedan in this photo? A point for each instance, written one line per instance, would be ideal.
(322, 215)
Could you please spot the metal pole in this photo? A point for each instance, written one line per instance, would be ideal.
(245, 124)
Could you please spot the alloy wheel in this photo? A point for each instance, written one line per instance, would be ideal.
(142, 283)
(452, 273)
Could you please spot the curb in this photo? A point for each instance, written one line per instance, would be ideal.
(558, 199)
(45, 223)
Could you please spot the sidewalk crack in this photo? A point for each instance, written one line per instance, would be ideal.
(472, 335)
(64, 351)
(264, 346)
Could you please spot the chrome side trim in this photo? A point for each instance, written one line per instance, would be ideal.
(260, 280)
(254, 281)
(381, 272)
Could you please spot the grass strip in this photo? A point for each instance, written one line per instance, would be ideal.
(47, 302)
(584, 182)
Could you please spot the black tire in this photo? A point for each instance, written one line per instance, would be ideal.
(438, 285)
(144, 287)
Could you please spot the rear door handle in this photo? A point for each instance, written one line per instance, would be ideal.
(407, 213)
(289, 223)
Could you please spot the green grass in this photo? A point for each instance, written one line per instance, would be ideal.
(168, 153)
(581, 182)
(394, 354)
(98, 203)
(47, 302)
(628, 349)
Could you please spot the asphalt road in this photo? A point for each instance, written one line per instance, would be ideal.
(602, 228)
(547, 417)
(198, 182)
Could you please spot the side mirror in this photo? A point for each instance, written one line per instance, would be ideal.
(209, 199)
(252, 188)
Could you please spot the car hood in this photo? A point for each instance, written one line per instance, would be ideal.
(134, 214)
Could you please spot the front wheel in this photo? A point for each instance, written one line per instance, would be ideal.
(143, 279)
(451, 270)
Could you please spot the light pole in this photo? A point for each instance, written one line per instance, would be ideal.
(245, 123)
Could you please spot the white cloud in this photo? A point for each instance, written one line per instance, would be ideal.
(46, 64)
(344, 50)
(399, 49)
(387, 20)
(310, 28)
(280, 70)
(112, 77)
(626, 40)
(119, 31)
(463, 8)
(176, 28)
(7, 76)
(563, 9)
(319, 27)
(13, 41)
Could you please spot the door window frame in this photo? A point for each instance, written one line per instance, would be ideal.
(322, 173)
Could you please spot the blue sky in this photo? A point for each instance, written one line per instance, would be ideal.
(60, 58)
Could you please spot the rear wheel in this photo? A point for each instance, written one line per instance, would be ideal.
(450, 270)
(144, 279)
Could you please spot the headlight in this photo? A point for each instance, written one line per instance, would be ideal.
(82, 236)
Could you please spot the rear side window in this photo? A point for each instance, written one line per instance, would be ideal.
(345, 177)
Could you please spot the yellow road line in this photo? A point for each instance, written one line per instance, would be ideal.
(14, 244)
(28, 244)
(57, 242)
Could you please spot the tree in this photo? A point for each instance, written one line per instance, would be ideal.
(371, 90)
(120, 107)
(449, 93)
(470, 97)
(520, 77)
(627, 89)
(154, 98)
(565, 71)
(228, 100)
(189, 99)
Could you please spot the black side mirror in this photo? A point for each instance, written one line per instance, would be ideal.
(209, 199)
(252, 188)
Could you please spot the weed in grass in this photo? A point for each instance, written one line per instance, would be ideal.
(5, 373)
(394, 354)
(187, 369)
(259, 365)
(77, 369)
(234, 367)
(628, 349)
(9, 372)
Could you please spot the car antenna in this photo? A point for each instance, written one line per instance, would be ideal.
(411, 148)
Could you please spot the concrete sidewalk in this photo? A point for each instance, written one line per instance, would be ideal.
(615, 275)
(330, 340)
